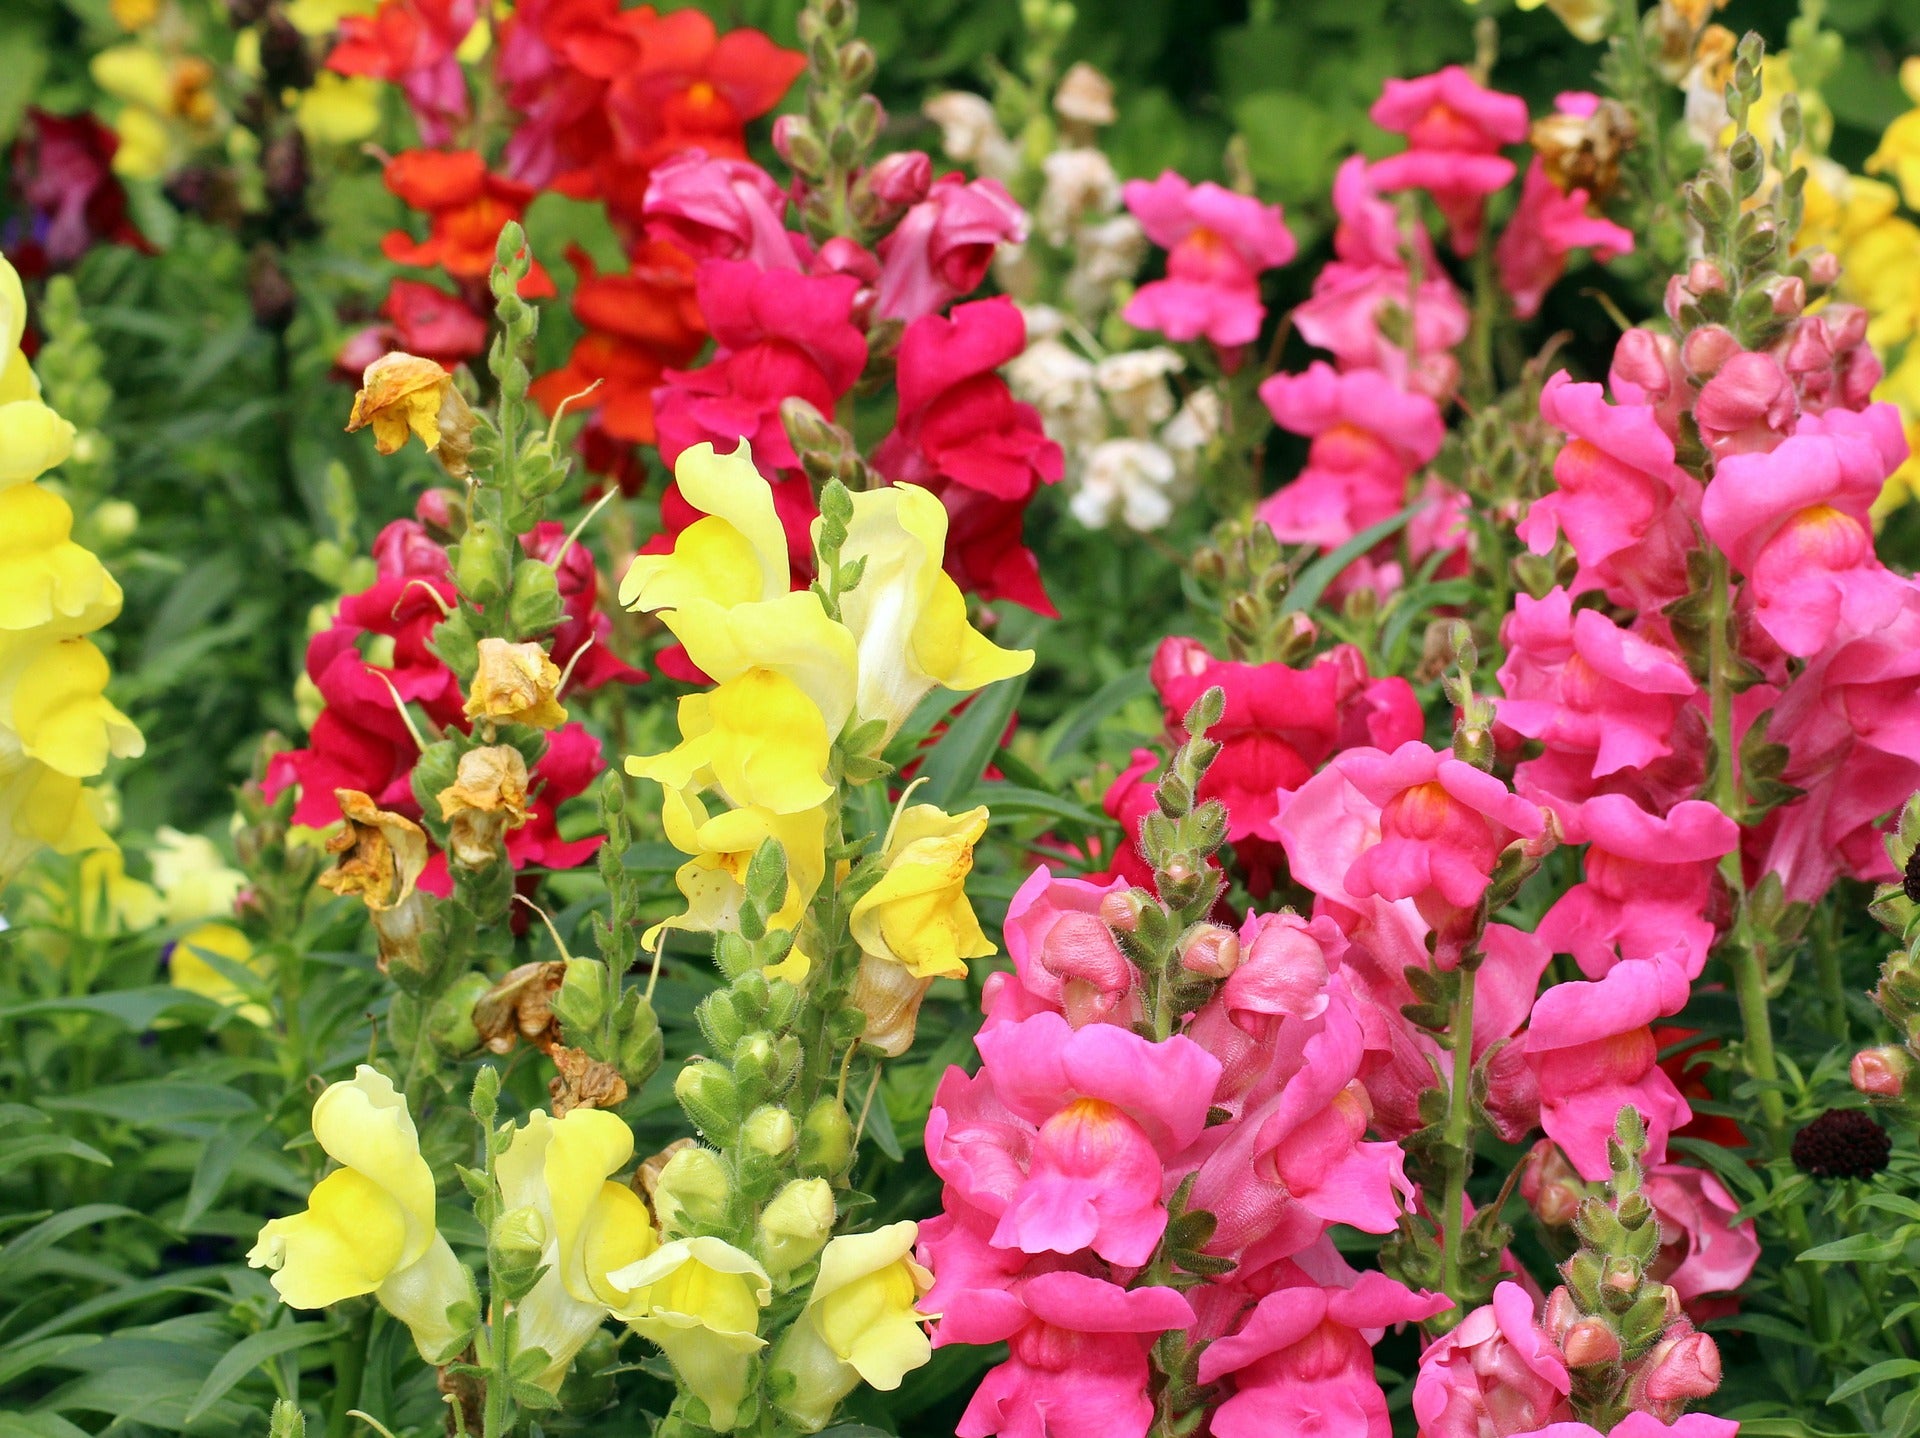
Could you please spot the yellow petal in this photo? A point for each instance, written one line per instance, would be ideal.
(364, 1125)
(44, 576)
(33, 440)
(737, 555)
(339, 109)
(789, 635)
(347, 1242)
(59, 709)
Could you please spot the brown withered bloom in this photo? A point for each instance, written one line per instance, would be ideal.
(487, 797)
(1584, 152)
(516, 684)
(583, 1082)
(401, 394)
(890, 996)
(520, 1006)
(1084, 97)
(378, 855)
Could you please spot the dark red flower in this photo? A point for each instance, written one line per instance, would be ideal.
(63, 169)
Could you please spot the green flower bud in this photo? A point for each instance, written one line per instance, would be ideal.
(581, 1001)
(769, 1129)
(481, 565)
(640, 1042)
(720, 1022)
(796, 1225)
(520, 1232)
(535, 606)
(692, 1193)
(826, 1140)
(710, 1097)
(450, 1024)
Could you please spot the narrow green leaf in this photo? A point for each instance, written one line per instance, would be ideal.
(956, 763)
(1314, 579)
(1884, 1372)
(248, 1354)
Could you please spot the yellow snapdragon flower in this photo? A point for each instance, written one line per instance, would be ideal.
(57, 727)
(859, 1325)
(561, 1170)
(188, 968)
(516, 684)
(370, 1225)
(723, 842)
(757, 737)
(699, 1300)
(1898, 153)
(907, 616)
(918, 915)
(916, 924)
(736, 554)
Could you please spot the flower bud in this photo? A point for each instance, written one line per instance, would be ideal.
(519, 1232)
(1681, 1368)
(581, 1000)
(770, 1130)
(1121, 911)
(826, 1139)
(1708, 348)
(692, 1192)
(536, 605)
(1704, 277)
(482, 565)
(1550, 1185)
(710, 1097)
(901, 179)
(795, 1225)
(1788, 294)
(1211, 950)
(1589, 1343)
(1881, 1072)
(450, 1023)
(1823, 269)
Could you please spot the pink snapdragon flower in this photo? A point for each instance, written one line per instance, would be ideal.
(1747, 405)
(1795, 520)
(1369, 274)
(1095, 1113)
(1582, 685)
(1369, 436)
(722, 210)
(1645, 887)
(943, 245)
(1415, 824)
(1218, 244)
(1280, 723)
(1076, 1365)
(1592, 1050)
(1064, 956)
(1455, 129)
(1302, 1361)
(1622, 503)
(1298, 1158)
(1704, 1255)
(1549, 225)
(1284, 964)
(1494, 1376)
(1851, 725)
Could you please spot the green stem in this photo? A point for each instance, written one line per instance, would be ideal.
(1457, 1137)
(349, 1365)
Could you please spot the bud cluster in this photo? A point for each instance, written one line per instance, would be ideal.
(1245, 574)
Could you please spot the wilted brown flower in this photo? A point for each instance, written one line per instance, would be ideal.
(520, 1006)
(583, 1082)
(487, 797)
(516, 684)
(379, 855)
(402, 393)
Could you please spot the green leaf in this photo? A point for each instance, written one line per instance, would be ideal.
(51, 1230)
(248, 1354)
(1106, 701)
(216, 1163)
(16, 1152)
(956, 763)
(1884, 1372)
(1859, 1248)
(1305, 591)
(157, 1102)
(29, 1356)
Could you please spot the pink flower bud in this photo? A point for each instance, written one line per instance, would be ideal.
(434, 508)
(783, 131)
(1707, 349)
(1211, 950)
(1679, 1368)
(1704, 277)
(1549, 1184)
(842, 256)
(1561, 1314)
(1881, 1072)
(1789, 295)
(901, 179)
(1823, 268)
(1590, 1342)
(1122, 910)
(1678, 297)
